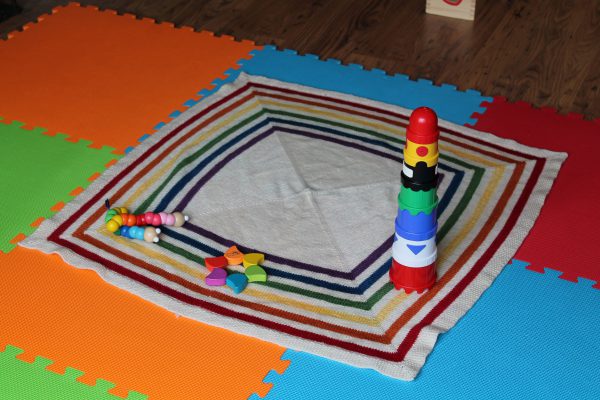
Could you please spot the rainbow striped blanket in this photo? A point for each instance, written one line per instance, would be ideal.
(309, 178)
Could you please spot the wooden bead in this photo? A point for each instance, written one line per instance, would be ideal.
(124, 231)
(131, 220)
(109, 215)
(139, 233)
(179, 219)
(118, 219)
(112, 225)
(151, 235)
(163, 217)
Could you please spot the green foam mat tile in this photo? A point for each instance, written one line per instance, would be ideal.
(38, 173)
(22, 380)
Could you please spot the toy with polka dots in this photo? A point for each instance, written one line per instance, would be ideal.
(119, 221)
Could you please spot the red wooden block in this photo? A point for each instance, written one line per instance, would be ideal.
(215, 262)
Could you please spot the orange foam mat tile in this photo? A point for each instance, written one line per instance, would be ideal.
(74, 318)
(105, 77)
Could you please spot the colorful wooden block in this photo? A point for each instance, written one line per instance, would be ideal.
(217, 277)
(237, 282)
(256, 273)
(253, 259)
(234, 256)
(215, 262)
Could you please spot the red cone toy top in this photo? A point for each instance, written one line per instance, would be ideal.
(423, 126)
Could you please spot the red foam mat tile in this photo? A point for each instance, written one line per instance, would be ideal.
(565, 235)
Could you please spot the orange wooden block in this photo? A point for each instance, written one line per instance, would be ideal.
(234, 256)
(107, 78)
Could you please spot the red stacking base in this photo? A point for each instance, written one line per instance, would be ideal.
(409, 279)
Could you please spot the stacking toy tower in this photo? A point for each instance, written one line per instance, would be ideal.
(414, 251)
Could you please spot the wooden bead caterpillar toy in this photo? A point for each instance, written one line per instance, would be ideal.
(119, 221)
(120, 216)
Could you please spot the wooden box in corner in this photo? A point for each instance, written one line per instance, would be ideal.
(464, 9)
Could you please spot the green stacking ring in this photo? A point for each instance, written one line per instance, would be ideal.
(417, 201)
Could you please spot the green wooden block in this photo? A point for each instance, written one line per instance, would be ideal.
(255, 273)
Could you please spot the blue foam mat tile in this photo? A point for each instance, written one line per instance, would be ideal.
(271, 378)
(158, 126)
(286, 65)
(530, 336)
(586, 282)
(190, 103)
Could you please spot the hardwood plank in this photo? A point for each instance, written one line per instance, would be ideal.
(545, 53)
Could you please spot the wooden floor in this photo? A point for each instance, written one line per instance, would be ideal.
(546, 52)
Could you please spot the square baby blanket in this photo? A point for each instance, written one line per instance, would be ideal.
(309, 178)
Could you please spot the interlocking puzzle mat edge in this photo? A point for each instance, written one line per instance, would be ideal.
(491, 101)
(474, 117)
(23, 380)
(184, 81)
(489, 354)
(78, 320)
(57, 145)
(56, 9)
(330, 74)
(563, 214)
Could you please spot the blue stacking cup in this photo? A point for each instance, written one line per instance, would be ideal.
(416, 227)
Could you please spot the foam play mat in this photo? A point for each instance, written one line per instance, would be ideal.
(309, 178)
(103, 83)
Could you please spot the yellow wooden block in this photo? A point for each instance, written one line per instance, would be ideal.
(253, 259)
(463, 9)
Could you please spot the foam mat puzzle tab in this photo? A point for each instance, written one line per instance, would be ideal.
(40, 173)
(287, 65)
(62, 318)
(568, 133)
(272, 378)
(23, 380)
(545, 322)
(99, 64)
